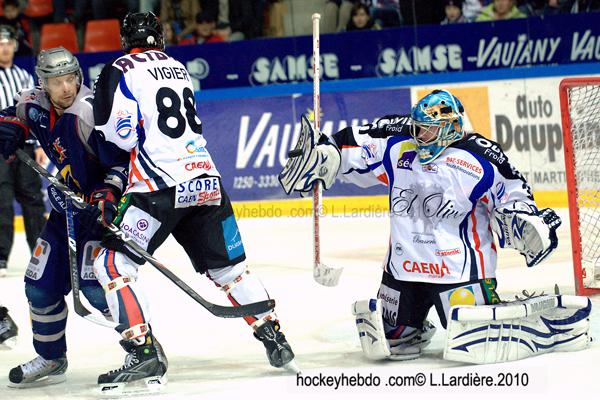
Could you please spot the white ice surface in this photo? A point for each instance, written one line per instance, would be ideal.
(216, 358)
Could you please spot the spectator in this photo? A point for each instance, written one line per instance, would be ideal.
(14, 18)
(422, 12)
(17, 180)
(336, 15)
(181, 14)
(223, 29)
(471, 9)
(360, 19)
(500, 9)
(169, 34)
(386, 13)
(553, 7)
(277, 10)
(454, 13)
(244, 16)
(579, 6)
(204, 30)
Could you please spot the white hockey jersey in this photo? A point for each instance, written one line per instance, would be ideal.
(144, 103)
(440, 212)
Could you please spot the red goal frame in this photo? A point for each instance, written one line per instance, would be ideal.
(578, 269)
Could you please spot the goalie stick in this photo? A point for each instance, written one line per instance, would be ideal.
(74, 272)
(215, 309)
(323, 274)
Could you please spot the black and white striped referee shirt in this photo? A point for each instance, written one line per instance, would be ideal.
(12, 80)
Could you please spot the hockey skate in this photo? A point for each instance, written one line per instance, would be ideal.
(279, 352)
(38, 372)
(144, 369)
(411, 346)
(8, 330)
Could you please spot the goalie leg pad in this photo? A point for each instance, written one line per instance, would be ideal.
(517, 330)
(369, 322)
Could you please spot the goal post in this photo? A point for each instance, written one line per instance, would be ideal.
(580, 114)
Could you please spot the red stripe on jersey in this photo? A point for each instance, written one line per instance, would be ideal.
(477, 244)
(136, 172)
(383, 178)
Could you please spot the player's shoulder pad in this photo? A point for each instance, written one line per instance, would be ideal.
(128, 62)
(82, 106)
(486, 150)
(389, 125)
(105, 87)
(36, 95)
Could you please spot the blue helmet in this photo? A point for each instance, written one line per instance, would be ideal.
(437, 123)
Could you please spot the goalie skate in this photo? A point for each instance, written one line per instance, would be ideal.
(38, 372)
(279, 352)
(144, 370)
(8, 330)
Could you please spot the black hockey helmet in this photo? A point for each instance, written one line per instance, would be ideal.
(141, 30)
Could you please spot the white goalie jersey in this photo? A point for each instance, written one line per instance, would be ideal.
(440, 212)
(144, 103)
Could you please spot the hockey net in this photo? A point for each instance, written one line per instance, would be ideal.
(580, 109)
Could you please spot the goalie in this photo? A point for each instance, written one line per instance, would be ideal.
(448, 190)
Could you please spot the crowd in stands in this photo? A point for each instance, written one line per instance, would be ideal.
(208, 21)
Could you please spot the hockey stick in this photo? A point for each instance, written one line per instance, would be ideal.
(77, 305)
(323, 274)
(217, 310)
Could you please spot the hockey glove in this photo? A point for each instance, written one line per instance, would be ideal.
(523, 227)
(315, 158)
(102, 207)
(13, 133)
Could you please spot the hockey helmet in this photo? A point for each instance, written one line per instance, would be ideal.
(437, 122)
(56, 61)
(8, 33)
(141, 30)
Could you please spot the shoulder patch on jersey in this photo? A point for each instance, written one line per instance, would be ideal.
(488, 150)
(389, 125)
(104, 92)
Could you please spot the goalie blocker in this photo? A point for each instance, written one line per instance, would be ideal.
(517, 330)
(315, 158)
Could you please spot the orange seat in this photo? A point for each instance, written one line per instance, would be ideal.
(61, 34)
(102, 35)
(38, 8)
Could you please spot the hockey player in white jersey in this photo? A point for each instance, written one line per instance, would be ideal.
(448, 190)
(144, 103)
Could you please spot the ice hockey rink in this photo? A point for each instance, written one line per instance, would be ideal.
(214, 358)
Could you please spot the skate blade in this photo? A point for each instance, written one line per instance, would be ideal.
(292, 367)
(9, 344)
(45, 381)
(147, 385)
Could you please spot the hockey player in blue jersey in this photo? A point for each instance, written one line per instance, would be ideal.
(58, 113)
(448, 191)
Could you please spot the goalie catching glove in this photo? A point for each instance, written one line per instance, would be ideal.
(523, 227)
(315, 158)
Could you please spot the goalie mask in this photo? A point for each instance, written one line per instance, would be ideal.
(141, 30)
(437, 123)
(54, 62)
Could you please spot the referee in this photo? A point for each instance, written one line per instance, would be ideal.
(17, 180)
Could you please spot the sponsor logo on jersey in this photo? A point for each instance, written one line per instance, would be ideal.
(192, 148)
(59, 151)
(390, 299)
(202, 165)
(142, 224)
(38, 260)
(233, 240)
(407, 155)
(448, 252)
(501, 191)
(423, 267)
(136, 234)
(369, 151)
(34, 114)
(492, 150)
(430, 168)
(398, 249)
(123, 124)
(197, 192)
(464, 164)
